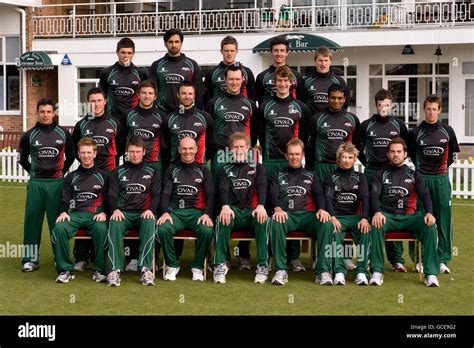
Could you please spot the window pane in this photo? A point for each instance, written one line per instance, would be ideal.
(89, 73)
(13, 88)
(467, 67)
(1, 50)
(13, 49)
(83, 89)
(443, 69)
(374, 86)
(352, 87)
(469, 108)
(408, 69)
(351, 70)
(375, 69)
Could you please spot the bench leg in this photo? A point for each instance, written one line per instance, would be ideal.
(418, 243)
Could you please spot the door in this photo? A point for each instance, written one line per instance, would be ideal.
(468, 107)
(399, 87)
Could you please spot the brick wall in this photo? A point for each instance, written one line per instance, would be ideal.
(48, 89)
(11, 123)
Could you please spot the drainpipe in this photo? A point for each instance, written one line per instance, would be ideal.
(23, 72)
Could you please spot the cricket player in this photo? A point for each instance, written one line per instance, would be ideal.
(82, 206)
(46, 153)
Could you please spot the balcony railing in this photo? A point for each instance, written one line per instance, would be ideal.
(83, 20)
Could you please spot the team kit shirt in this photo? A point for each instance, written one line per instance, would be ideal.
(232, 113)
(148, 125)
(134, 187)
(347, 193)
(120, 84)
(374, 136)
(50, 148)
(435, 147)
(266, 87)
(216, 86)
(316, 87)
(328, 130)
(168, 72)
(187, 186)
(243, 185)
(279, 121)
(83, 191)
(103, 130)
(394, 190)
(193, 123)
(294, 189)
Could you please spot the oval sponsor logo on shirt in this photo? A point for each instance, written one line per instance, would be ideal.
(336, 134)
(135, 188)
(240, 184)
(398, 191)
(186, 133)
(433, 151)
(124, 91)
(174, 78)
(295, 191)
(283, 122)
(48, 152)
(84, 196)
(100, 140)
(143, 133)
(233, 117)
(380, 142)
(346, 198)
(186, 190)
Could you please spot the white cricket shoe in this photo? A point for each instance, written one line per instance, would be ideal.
(325, 278)
(280, 278)
(376, 279)
(339, 279)
(65, 277)
(132, 266)
(198, 275)
(147, 277)
(444, 269)
(361, 279)
(220, 271)
(418, 268)
(113, 278)
(171, 273)
(261, 275)
(431, 281)
(81, 266)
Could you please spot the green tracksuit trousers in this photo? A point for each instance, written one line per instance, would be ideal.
(361, 240)
(304, 221)
(65, 230)
(42, 195)
(185, 219)
(413, 223)
(116, 233)
(394, 250)
(243, 220)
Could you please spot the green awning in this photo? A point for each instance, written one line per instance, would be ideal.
(34, 60)
(300, 42)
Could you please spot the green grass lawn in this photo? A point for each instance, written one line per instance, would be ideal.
(401, 294)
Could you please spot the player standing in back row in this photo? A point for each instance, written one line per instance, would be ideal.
(266, 81)
(171, 70)
(119, 82)
(433, 145)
